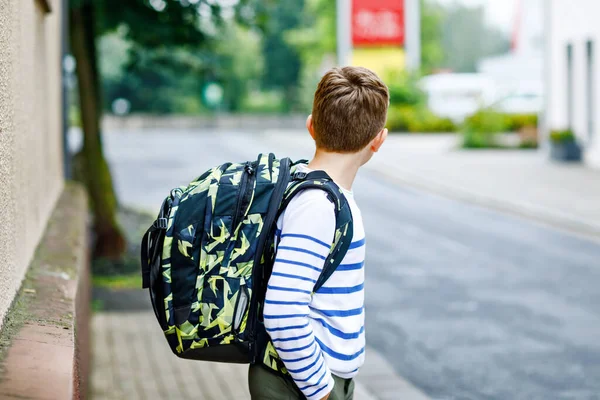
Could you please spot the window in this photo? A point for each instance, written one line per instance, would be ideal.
(590, 61)
(569, 97)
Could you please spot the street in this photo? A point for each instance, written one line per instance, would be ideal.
(464, 302)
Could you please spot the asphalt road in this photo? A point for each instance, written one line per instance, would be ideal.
(464, 302)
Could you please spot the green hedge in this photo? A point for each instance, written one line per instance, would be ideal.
(502, 122)
(480, 129)
(516, 122)
(562, 136)
(418, 118)
(407, 118)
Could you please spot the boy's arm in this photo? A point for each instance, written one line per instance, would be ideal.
(307, 233)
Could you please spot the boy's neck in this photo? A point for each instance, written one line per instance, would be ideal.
(341, 167)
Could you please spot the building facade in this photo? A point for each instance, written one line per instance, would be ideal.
(518, 74)
(31, 132)
(572, 35)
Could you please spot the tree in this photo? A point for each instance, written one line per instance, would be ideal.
(432, 52)
(159, 81)
(239, 63)
(466, 38)
(150, 24)
(315, 40)
(282, 60)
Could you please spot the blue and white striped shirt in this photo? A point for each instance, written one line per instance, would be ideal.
(318, 334)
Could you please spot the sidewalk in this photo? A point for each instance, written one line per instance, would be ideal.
(131, 360)
(525, 183)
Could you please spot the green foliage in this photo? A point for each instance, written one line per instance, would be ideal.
(115, 282)
(516, 122)
(153, 86)
(238, 64)
(263, 102)
(404, 89)
(492, 120)
(282, 59)
(488, 120)
(417, 118)
(182, 23)
(563, 136)
(159, 54)
(315, 36)
(170, 80)
(408, 110)
(480, 129)
(528, 144)
(315, 41)
(432, 52)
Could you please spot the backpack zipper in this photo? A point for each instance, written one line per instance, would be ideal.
(280, 187)
(242, 198)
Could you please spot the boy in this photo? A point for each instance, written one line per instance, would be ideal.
(320, 337)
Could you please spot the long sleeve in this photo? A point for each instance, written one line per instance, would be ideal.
(307, 231)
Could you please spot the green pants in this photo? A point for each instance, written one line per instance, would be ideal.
(266, 385)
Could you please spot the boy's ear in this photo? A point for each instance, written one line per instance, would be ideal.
(309, 126)
(378, 140)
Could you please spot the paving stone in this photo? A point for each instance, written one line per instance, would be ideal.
(131, 360)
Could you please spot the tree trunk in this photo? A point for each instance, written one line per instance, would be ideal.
(94, 170)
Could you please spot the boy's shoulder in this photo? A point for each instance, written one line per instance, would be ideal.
(318, 199)
(311, 200)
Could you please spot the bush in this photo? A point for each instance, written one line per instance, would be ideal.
(404, 90)
(516, 122)
(562, 136)
(417, 119)
(480, 129)
(505, 122)
(488, 120)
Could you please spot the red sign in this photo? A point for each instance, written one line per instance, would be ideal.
(377, 22)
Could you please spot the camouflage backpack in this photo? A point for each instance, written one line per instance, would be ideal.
(207, 258)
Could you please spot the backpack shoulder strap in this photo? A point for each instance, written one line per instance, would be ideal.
(343, 216)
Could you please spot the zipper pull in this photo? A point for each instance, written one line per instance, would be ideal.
(248, 168)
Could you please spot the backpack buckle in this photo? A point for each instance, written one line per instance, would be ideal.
(299, 176)
(161, 223)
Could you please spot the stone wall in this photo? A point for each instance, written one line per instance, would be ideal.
(31, 157)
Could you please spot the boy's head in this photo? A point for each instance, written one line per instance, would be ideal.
(349, 111)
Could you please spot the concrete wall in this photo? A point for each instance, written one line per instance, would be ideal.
(31, 169)
(573, 22)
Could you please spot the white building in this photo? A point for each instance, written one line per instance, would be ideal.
(572, 33)
(518, 74)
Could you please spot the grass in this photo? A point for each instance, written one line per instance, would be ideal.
(125, 273)
(128, 281)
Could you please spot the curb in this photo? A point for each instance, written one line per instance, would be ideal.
(47, 326)
(552, 217)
